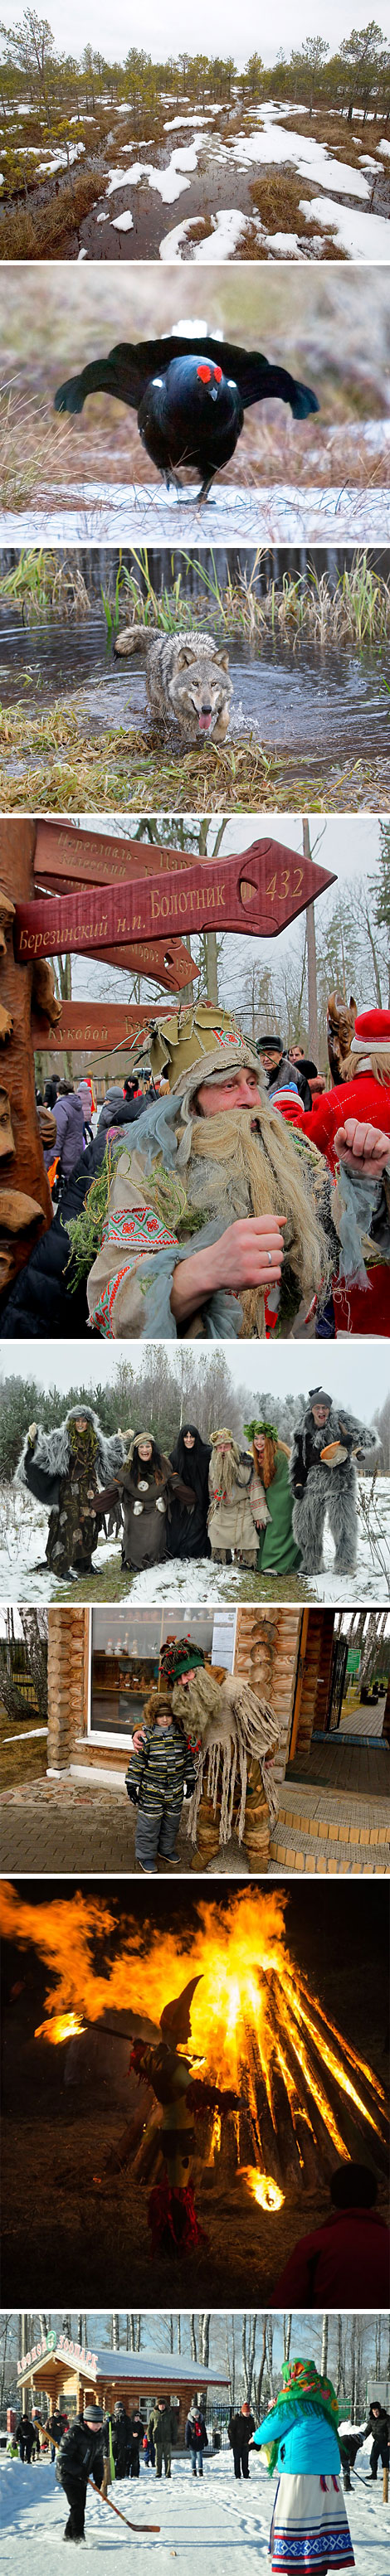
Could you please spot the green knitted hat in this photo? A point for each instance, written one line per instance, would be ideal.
(179, 1656)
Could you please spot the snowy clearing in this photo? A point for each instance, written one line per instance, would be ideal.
(144, 513)
(215, 2525)
(23, 1531)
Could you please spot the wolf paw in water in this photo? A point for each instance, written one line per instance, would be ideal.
(187, 679)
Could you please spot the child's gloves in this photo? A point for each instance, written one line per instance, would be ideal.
(132, 1792)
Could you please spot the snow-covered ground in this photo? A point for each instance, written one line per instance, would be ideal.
(132, 514)
(215, 2527)
(23, 1530)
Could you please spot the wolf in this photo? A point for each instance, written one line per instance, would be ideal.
(187, 679)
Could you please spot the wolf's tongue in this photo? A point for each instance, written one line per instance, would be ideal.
(204, 724)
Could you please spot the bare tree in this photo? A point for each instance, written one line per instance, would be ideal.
(261, 2367)
(249, 2326)
(194, 2351)
(205, 2340)
(324, 2345)
(287, 2324)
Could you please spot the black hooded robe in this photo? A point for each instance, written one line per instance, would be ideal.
(187, 1531)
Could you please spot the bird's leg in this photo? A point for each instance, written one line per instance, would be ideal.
(205, 489)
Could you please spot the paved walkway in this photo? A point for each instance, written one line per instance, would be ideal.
(58, 1825)
(360, 1769)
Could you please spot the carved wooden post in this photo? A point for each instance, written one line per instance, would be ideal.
(25, 1203)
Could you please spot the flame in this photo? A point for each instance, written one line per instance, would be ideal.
(255, 2022)
(62, 2026)
(263, 2187)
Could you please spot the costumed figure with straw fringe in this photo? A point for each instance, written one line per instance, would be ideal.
(233, 1737)
(309, 2527)
(231, 1525)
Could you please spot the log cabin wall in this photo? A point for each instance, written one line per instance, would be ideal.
(316, 1679)
(68, 1684)
(267, 1648)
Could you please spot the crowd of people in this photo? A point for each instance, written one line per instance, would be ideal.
(251, 1198)
(300, 2436)
(262, 1506)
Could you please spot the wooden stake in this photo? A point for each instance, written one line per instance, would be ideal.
(385, 2486)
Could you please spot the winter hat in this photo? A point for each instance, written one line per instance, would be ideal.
(178, 1656)
(199, 1041)
(319, 1394)
(372, 1033)
(290, 1104)
(271, 1039)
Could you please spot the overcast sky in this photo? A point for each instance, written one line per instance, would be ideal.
(290, 1369)
(88, 21)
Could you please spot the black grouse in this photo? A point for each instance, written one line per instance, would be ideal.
(190, 406)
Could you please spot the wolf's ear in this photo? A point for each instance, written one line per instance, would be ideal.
(223, 659)
(184, 657)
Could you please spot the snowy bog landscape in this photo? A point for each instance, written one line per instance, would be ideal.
(214, 161)
(215, 2527)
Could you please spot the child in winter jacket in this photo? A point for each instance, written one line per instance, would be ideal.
(160, 1774)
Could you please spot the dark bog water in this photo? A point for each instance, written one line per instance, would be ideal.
(328, 703)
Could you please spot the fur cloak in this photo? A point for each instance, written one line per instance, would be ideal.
(319, 1489)
(43, 1468)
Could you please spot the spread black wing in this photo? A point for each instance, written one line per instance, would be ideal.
(128, 369)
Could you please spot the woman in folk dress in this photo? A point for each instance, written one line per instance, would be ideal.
(309, 2528)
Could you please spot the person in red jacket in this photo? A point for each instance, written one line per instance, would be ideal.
(348, 2257)
(353, 1121)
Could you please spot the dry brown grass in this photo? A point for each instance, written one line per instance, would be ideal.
(42, 454)
(276, 198)
(45, 231)
(345, 142)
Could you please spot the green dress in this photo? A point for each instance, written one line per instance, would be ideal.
(278, 1553)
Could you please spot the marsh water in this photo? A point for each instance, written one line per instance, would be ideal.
(327, 703)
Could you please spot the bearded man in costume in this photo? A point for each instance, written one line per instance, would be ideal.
(231, 1525)
(327, 1444)
(64, 1469)
(220, 1222)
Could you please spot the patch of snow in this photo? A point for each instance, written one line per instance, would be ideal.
(199, 117)
(171, 245)
(170, 183)
(227, 229)
(384, 145)
(365, 237)
(59, 160)
(82, 254)
(367, 163)
(102, 219)
(310, 159)
(23, 1533)
(122, 223)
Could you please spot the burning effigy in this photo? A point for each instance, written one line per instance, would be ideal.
(252, 2088)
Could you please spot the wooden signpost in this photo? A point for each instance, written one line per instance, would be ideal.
(261, 892)
(129, 903)
(94, 1027)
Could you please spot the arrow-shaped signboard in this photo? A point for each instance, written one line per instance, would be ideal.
(94, 1027)
(259, 892)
